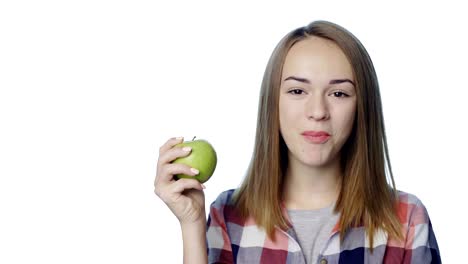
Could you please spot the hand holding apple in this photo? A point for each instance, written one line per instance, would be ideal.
(184, 197)
(202, 157)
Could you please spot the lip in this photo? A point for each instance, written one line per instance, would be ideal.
(317, 137)
(315, 133)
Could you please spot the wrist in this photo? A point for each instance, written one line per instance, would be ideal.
(194, 241)
(201, 219)
(193, 225)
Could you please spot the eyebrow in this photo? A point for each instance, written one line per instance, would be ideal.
(304, 80)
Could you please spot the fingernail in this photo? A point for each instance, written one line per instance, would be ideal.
(179, 138)
(203, 186)
(194, 170)
(186, 149)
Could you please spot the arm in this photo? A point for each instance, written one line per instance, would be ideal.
(185, 198)
(194, 242)
(421, 242)
(217, 237)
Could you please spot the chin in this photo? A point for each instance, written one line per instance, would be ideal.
(315, 162)
(317, 159)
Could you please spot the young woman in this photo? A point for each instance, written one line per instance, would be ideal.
(317, 189)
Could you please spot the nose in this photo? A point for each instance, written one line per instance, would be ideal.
(316, 108)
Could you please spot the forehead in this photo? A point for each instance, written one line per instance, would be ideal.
(317, 58)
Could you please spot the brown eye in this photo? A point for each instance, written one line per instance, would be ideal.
(340, 94)
(296, 91)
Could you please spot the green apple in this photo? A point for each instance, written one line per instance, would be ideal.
(202, 157)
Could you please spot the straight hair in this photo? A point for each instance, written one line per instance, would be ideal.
(366, 196)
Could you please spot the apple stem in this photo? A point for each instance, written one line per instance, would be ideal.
(194, 138)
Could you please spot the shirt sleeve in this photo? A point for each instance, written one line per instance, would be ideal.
(421, 243)
(218, 245)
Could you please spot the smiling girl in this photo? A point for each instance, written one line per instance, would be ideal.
(319, 188)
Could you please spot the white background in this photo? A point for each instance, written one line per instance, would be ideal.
(91, 89)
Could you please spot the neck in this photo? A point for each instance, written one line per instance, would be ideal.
(308, 188)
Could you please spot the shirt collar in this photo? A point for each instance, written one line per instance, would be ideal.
(290, 230)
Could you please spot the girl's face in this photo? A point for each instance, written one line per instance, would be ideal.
(317, 101)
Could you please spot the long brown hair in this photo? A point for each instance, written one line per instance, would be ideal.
(366, 196)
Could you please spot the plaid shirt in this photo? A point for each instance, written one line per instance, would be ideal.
(231, 240)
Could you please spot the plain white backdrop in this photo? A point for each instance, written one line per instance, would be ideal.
(91, 89)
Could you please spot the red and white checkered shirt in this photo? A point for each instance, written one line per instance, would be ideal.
(231, 240)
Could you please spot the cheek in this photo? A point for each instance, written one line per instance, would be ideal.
(347, 122)
(283, 114)
(343, 122)
(288, 115)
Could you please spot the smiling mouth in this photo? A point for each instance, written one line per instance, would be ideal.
(320, 139)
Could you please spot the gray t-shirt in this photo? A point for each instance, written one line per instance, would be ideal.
(313, 228)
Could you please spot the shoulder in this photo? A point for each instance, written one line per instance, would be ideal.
(410, 209)
(223, 199)
(219, 233)
(223, 209)
(409, 201)
(408, 198)
(419, 237)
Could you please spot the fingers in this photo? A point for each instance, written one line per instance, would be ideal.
(184, 184)
(169, 144)
(164, 181)
(176, 188)
(169, 170)
(173, 153)
(167, 153)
